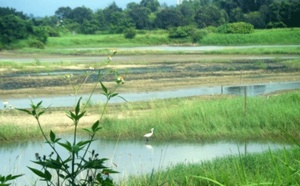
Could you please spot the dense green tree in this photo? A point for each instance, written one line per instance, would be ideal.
(167, 18)
(12, 11)
(187, 9)
(256, 19)
(13, 28)
(110, 12)
(120, 22)
(81, 14)
(139, 16)
(210, 16)
(153, 5)
(63, 13)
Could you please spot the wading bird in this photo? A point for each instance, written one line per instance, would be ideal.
(148, 135)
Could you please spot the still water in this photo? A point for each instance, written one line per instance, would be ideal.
(130, 157)
(69, 100)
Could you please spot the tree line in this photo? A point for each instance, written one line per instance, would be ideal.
(149, 15)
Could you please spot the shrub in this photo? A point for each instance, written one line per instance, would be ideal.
(236, 28)
(130, 33)
(211, 29)
(276, 25)
(178, 32)
(198, 35)
(36, 44)
(52, 32)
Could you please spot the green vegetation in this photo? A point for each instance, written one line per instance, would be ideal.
(279, 167)
(220, 118)
(227, 16)
(258, 37)
(201, 118)
(83, 166)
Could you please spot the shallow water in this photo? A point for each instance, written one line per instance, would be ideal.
(70, 100)
(130, 157)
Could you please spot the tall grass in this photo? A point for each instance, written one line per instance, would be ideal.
(183, 119)
(11, 132)
(197, 119)
(279, 167)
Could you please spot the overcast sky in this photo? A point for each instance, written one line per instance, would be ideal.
(48, 7)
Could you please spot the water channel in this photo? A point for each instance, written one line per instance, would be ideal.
(70, 100)
(130, 157)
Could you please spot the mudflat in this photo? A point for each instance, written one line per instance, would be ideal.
(141, 72)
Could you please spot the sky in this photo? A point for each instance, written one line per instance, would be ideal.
(41, 8)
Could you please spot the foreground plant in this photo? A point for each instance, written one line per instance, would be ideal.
(83, 165)
(4, 180)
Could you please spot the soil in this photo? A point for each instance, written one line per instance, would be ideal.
(158, 72)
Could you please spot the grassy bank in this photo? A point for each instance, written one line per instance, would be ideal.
(259, 37)
(263, 118)
(279, 167)
(219, 118)
(77, 44)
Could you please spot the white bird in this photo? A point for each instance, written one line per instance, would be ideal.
(148, 135)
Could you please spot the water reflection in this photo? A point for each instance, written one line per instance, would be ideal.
(129, 157)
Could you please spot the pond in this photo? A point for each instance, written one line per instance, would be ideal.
(131, 157)
(70, 100)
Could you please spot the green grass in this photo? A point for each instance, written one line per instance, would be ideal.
(10, 132)
(79, 44)
(199, 119)
(259, 37)
(220, 118)
(280, 167)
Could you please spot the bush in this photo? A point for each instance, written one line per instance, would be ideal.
(236, 28)
(178, 32)
(130, 33)
(36, 44)
(52, 32)
(198, 35)
(211, 29)
(276, 25)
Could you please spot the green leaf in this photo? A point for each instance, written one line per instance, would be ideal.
(122, 98)
(48, 176)
(67, 145)
(95, 126)
(80, 115)
(113, 94)
(77, 109)
(88, 130)
(103, 87)
(39, 103)
(52, 136)
(38, 173)
(24, 110)
(71, 115)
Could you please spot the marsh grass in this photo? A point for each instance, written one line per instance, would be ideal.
(199, 118)
(220, 118)
(10, 132)
(278, 167)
